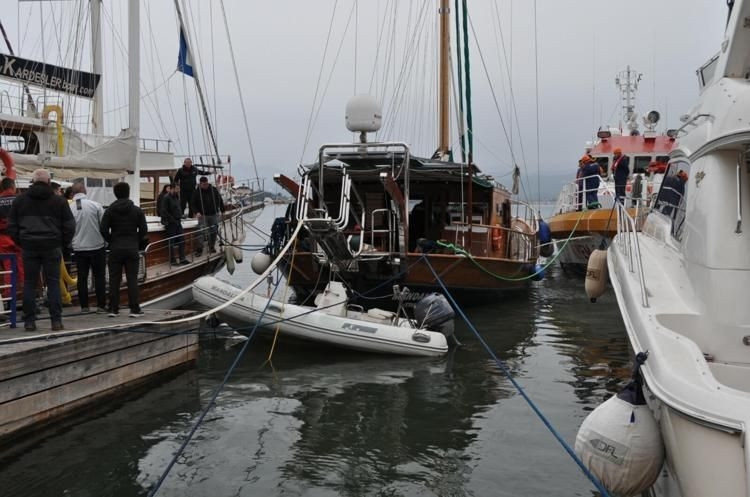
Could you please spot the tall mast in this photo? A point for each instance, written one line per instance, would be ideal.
(444, 88)
(134, 91)
(97, 117)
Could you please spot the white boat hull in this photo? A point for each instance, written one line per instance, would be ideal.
(307, 323)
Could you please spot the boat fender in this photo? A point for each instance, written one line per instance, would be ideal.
(620, 443)
(596, 274)
(545, 234)
(260, 262)
(238, 255)
(435, 313)
(229, 257)
(537, 272)
(547, 249)
(497, 237)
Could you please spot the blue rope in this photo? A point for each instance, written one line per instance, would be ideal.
(518, 387)
(218, 389)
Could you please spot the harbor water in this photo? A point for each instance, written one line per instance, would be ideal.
(320, 422)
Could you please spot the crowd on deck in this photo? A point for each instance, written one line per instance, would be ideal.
(47, 227)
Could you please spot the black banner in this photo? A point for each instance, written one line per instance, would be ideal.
(55, 78)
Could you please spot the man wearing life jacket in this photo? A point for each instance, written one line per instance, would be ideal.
(621, 171)
(590, 173)
(7, 245)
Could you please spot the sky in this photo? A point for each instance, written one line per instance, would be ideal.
(299, 61)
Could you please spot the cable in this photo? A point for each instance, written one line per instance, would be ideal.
(518, 387)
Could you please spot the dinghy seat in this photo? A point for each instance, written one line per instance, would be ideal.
(381, 314)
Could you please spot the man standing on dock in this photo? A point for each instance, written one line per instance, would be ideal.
(208, 206)
(187, 178)
(124, 228)
(88, 248)
(42, 224)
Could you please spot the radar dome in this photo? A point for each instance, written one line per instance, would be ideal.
(363, 114)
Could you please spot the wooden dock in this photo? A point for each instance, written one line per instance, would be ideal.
(58, 372)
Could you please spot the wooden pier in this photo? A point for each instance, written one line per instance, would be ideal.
(58, 372)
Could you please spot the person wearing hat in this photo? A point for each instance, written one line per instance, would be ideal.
(207, 205)
(590, 174)
(621, 171)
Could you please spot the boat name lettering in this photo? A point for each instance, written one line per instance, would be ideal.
(82, 84)
(358, 327)
(609, 449)
(223, 291)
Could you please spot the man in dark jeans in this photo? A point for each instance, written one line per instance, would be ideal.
(187, 178)
(88, 248)
(125, 230)
(207, 206)
(42, 224)
(171, 216)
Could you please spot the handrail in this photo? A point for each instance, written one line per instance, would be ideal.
(627, 240)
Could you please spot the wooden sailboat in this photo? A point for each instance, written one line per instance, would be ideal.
(373, 211)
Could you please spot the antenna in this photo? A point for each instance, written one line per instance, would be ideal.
(627, 82)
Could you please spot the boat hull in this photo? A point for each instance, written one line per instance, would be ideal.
(315, 326)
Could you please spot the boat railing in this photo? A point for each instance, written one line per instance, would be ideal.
(628, 241)
(230, 228)
(156, 145)
(521, 244)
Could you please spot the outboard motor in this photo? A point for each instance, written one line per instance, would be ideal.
(435, 313)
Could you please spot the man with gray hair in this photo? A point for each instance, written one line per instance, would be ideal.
(43, 225)
(88, 248)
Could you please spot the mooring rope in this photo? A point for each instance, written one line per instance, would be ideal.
(517, 386)
(215, 394)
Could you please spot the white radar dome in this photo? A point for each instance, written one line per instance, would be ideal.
(363, 114)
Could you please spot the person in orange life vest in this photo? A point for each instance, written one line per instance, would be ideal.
(579, 181)
(621, 170)
(7, 245)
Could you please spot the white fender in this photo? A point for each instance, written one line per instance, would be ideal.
(229, 257)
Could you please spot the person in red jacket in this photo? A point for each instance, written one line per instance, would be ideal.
(7, 245)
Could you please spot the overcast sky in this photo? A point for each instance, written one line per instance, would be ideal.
(280, 44)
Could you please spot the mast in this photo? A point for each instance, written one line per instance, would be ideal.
(97, 117)
(444, 88)
(197, 79)
(134, 92)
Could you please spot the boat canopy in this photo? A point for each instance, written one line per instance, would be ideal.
(359, 164)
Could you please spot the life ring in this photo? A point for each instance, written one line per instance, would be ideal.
(496, 238)
(10, 169)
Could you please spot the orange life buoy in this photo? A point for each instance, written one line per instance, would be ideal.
(496, 237)
(10, 170)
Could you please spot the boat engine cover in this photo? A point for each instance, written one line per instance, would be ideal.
(620, 443)
(435, 313)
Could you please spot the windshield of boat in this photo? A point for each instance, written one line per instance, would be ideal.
(673, 193)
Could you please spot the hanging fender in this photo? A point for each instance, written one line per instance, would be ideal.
(9, 170)
(497, 237)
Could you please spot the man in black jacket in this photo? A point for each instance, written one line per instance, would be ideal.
(125, 230)
(43, 225)
(208, 206)
(187, 177)
(621, 171)
(171, 219)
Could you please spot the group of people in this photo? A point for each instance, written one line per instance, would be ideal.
(589, 174)
(45, 226)
(203, 201)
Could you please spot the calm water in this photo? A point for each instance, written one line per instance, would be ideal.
(324, 423)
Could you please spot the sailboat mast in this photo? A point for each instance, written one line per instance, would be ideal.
(444, 89)
(97, 118)
(134, 92)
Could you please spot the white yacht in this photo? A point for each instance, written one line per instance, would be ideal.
(690, 312)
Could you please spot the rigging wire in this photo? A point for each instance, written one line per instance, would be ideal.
(536, 91)
(239, 90)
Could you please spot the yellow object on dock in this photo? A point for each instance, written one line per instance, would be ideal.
(65, 280)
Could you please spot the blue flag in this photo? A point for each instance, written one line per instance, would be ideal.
(184, 58)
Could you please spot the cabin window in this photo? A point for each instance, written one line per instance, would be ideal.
(455, 211)
(640, 164)
(603, 162)
(673, 194)
(94, 182)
